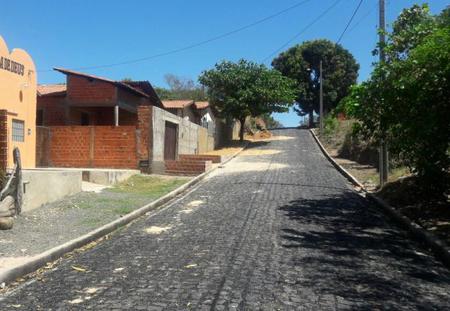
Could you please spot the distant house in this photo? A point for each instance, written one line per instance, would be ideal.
(206, 115)
(182, 108)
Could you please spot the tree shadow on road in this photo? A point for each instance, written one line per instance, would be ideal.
(345, 248)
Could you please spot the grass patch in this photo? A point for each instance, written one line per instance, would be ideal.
(91, 222)
(148, 185)
(123, 210)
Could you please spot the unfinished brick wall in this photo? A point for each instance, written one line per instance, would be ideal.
(115, 147)
(52, 109)
(92, 146)
(70, 146)
(3, 139)
(145, 134)
(89, 91)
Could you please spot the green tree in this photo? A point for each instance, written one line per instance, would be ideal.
(302, 63)
(406, 99)
(245, 88)
(181, 88)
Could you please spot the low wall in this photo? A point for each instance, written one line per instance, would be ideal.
(42, 186)
(205, 141)
(87, 146)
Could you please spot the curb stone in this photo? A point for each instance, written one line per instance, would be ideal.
(342, 170)
(54, 253)
(437, 246)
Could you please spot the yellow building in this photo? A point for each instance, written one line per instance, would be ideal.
(17, 106)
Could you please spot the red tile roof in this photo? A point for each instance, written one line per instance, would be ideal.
(177, 104)
(51, 89)
(201, 105)
(117, 83)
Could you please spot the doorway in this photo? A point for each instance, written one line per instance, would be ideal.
(170, 141)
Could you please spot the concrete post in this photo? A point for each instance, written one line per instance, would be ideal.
(116, 115)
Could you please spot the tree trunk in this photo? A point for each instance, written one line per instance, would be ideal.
(242, 129)
(311, 119)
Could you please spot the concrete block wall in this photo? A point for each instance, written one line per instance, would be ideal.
(187, 137)
(43, 186)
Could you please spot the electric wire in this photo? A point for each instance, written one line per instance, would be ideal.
(302, 31)
(191, 46)
(350, 21)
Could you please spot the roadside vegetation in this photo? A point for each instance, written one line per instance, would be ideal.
(405, 101)
(247, 89)
(301, 63)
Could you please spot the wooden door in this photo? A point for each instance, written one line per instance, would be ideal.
(170, 141)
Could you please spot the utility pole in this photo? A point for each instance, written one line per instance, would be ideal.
(321, 99)
(384, 162)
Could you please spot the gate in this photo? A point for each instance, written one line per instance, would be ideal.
(170, 141)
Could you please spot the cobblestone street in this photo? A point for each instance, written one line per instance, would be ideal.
(277, 228)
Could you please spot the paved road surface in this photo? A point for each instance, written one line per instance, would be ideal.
(276, 229)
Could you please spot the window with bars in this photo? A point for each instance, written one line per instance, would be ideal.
(18, 130)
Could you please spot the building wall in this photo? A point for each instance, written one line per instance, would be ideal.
(205, 141)
(89, 146)
(85, 91)
(53, 109)
(145, 137)
(187, 136)
(18, 97)
(3, 139)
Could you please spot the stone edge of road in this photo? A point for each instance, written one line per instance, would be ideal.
(9, 275)
(439, 248)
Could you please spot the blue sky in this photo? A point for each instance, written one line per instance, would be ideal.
(85, 33)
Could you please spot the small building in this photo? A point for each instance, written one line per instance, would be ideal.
(91, 100)
(182, 108)
(17, 106)
(206, 115)
(92, 121)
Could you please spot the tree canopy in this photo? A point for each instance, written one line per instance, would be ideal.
(245, 88)
(406, 99)
(180, 88)
(302, 62)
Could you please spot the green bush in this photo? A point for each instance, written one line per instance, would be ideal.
(405, 101)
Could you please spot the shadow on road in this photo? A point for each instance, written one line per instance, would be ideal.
(346, 249)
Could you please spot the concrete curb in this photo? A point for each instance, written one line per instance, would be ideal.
(342, 170)
(438, 247)
(54, 253)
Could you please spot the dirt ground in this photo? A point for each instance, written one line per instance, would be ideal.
(53, 224)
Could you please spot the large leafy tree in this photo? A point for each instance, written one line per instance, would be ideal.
(245, 88)
(302, 63)
(406, 99)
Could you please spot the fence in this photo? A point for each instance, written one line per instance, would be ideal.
(87, 146)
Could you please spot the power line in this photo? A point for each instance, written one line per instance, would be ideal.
(350, 21)
(191, 46)
(303, 30)
(370, 11)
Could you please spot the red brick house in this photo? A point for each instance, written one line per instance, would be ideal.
(94, 122)
(92, 100)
